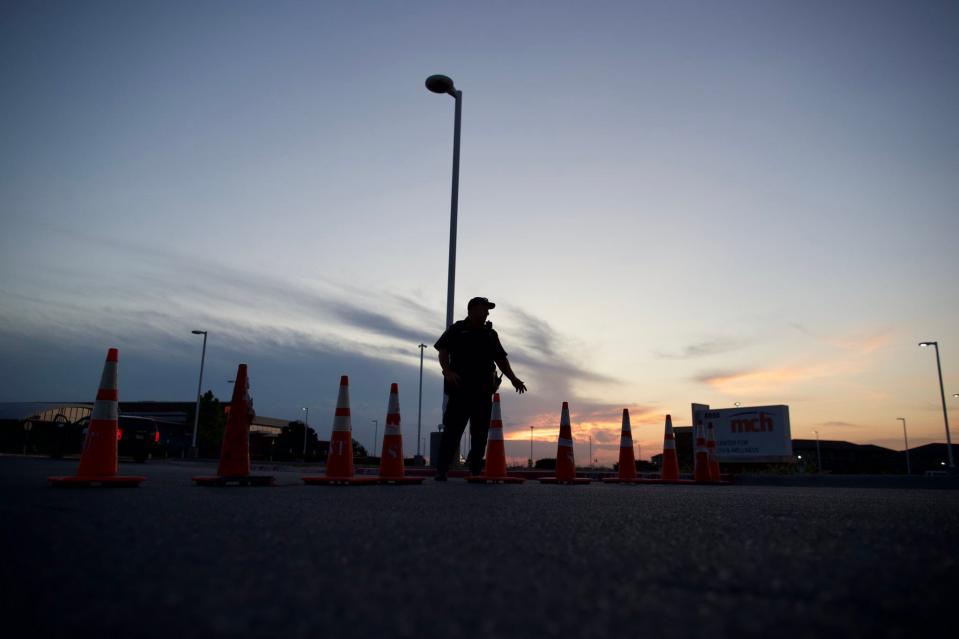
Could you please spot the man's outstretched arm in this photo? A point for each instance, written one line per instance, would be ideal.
(504, 366)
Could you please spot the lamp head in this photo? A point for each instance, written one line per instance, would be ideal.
(441, 84)
(198, 332)
(927, 343)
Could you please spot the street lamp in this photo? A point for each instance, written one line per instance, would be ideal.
(199, 387)
(942, 394)
(531, 446)
(306, 429)
(444, 84)
(906, 439)
(376, 430)
(818, 455)
(419, 416)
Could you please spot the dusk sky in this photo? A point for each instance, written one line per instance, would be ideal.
(670, 202)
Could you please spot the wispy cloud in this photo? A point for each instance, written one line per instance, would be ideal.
(705, 348)
(155, 302)
(839, 424)
(857, 343)
(848, 355)
(762, 381)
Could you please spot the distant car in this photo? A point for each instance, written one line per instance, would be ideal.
(137, 437)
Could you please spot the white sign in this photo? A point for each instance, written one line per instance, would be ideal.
(748, 433)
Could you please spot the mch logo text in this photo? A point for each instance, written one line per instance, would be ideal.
(751, 422)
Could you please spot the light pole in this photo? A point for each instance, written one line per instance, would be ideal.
(419, 416)
(906, 439)
(306, 429)
(818, 455)
(942, 394)
(376, 431)
(199, 387)
(444, 84)
(531, 446)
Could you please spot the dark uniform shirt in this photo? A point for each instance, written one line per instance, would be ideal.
(473, 352)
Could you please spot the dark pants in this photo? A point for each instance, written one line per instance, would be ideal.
(463, 407)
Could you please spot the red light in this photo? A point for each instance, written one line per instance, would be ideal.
(156, 437)
(119, 433)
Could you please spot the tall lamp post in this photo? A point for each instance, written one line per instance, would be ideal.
(196, 413)
(306, 429)
(942, 394)
(906, 439)
(818, 456)
(531, 446)
(444, 84)
(419, 416)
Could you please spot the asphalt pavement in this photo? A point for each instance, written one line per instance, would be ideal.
(171, 560)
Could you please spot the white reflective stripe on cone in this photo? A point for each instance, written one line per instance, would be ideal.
(104, 410)
(343, 397)
(566, 442)
(108, 380)
(495, 434)
(625, 442)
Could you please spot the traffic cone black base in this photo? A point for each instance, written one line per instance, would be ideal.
(401, 481)
(236, 480)
(116, 481)
(570, 482)
(355, 480)
(482, 479)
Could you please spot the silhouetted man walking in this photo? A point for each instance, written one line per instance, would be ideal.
(467, 352)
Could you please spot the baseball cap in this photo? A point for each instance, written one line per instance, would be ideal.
(480, 300)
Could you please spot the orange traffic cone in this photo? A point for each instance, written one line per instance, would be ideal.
(627, 459)
(391, 455)
(711, 452)
(98, 461)
(701, 459)
(234, 465)
(339, 460)
(565, 463)
(670, 471)
(495, 470)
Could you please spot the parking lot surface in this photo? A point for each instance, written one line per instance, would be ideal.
(171, 559)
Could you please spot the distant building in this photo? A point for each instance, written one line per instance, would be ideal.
(931, 457)
(32, 426)
(838, 457)
(846, 458)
